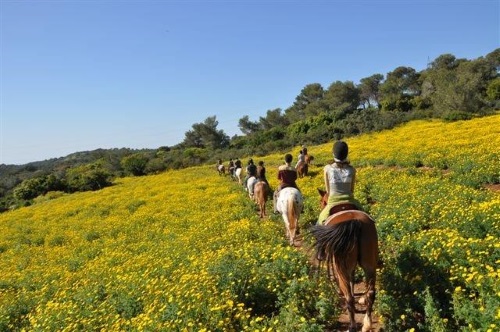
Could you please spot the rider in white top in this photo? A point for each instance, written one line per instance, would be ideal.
(339, 180)
(300, 159)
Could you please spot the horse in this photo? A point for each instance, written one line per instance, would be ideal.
(237, 175)
(290, 203)
(349, 238)
(302, 169)
(260, 195)
(308, 158)
(221, 169)
(251, 181)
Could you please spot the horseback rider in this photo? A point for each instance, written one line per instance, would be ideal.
(287, 174)
(339, 178)
(251, 171)
(261, 172)
(237, 164)
(301, 159)
(219, 166)
(230, 167)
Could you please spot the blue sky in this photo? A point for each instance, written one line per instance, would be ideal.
(81, 75)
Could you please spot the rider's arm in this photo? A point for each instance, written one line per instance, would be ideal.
(327, 180)
(353, 180)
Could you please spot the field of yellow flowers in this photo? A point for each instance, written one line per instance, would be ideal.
(185, 250)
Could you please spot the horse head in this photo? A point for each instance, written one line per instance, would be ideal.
(323, 201)
(342, 206)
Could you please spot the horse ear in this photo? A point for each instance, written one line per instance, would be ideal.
(321, 192)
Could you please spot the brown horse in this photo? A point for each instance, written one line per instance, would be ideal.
(221, 169)
(348, 238)
(260, 195)
(302, 169)
(308, 158)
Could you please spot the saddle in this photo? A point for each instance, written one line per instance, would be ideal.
(342, 207)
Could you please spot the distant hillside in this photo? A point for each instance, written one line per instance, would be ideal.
(450, 88)
(12, 175)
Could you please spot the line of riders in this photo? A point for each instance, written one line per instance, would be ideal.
(339, 178)
(345, 235)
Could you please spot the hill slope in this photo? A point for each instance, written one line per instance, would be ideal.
(151, 252)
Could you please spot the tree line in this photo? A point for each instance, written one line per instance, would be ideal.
(449, 88)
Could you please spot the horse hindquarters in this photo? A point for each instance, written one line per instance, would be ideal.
(237, 175)
(289, 204)
(260, 196)
(339, 245)
(302, 169)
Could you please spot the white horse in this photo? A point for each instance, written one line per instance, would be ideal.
(221, 169)
(289, 204)
(250, 185)
(237, 175)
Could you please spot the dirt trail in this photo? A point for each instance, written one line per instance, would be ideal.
(359, 288)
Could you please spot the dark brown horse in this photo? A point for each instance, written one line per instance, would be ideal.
(260, 195)
(308, 158)
(346, 239)
(302, 169)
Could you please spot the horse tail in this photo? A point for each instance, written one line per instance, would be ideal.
(293, 213)
(335, 243)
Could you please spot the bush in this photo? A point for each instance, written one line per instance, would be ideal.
(88, 178)
(456, 116)
(135, 164)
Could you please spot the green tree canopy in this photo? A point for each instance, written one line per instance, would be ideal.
(370, 90)
(342, 97)
(307, 103)
(273, 118)
(248, 127)
(399, 88)
(206, 135)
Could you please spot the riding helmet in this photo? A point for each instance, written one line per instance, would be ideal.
(340, 150)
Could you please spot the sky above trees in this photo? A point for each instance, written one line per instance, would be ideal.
(80, 75)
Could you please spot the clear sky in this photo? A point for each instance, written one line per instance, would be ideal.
(78, 75)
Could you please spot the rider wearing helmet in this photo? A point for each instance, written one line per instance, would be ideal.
(287, 174)
(339, 178)
(251, 171)
(261, 172)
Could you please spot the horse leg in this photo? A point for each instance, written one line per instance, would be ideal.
(263, 205)
(345, 289)
(291, 231)
(369, 298)
(351, 284)
(292, 236)
(368, 260)
(344, 269)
